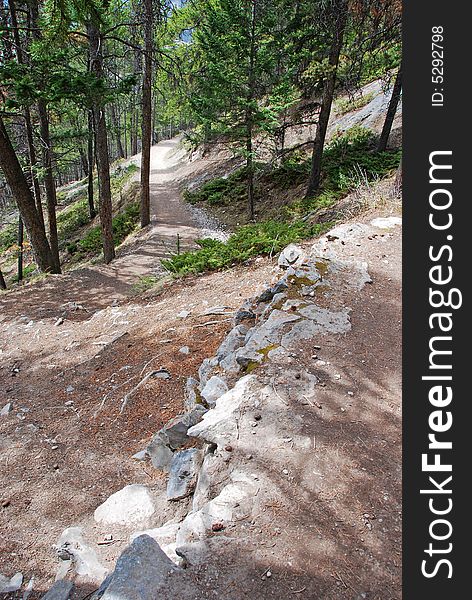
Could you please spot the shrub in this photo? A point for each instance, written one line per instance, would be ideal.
(352, 155)
(123, 224)
(221, 190)
(8, 236)
(250, 240)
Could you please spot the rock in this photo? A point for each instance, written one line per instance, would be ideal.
(159, 453)
(59, 321)
(183, 473)
(174, 433)
(61, 590)
(245, 313)
(73, 549)
(235, 499)
(191, 395)
(184, 350)
(132, 504)
(161, 373)
(205, 369)
(219, 425)
(6, 409)
(143, 572)
(70, 389)
(183, 314)
(290, 255)
(214, 388)
(213, 470)
(233, 341)
(141, 455)
(10, 585)
(386, 222)
(165, 537)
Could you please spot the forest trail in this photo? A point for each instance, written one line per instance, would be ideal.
(98, 286)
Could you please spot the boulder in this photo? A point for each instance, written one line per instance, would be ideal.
(233, 341)
(183, 473)
(220, 425)
(10, 585)
(205, 370)
(174, 433)
(290, 255)
(61, 590)
(214, 388)
(159, 453)
(132, 504)
(143, 572)
(75, 552)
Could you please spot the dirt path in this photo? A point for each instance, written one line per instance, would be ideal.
(98, 286)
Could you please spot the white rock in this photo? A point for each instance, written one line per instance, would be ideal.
(290, 255)
(132, 504)
(219, 425)
(85, 560)
(6, 409)
(214, 389)
(386, 222)
(184, 350)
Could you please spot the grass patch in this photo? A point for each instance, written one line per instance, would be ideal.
(71, 219)
(146, 282)
(123, 224)
(221, 191)
(345, 105)
(268, 237)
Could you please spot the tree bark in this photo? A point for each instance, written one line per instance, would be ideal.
(392, 109)
(27, 114)
(146, 128)
(23, 195)
(101, 146)
(116, 127)
(340, 16)
(49, 184)
(20, 248)
(249, 117)
(91, 163)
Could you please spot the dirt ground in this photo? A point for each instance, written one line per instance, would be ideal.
(73, 346)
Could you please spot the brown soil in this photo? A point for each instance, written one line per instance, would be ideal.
(334, 534)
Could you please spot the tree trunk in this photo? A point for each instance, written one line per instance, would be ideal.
(91, 162)
(21, 191)
(392, 109)
(340, 15)
(49, 184)
(20, 248)
(146, 129)
(249, 117)
(27, 114)
(116, 127)
(101, 146)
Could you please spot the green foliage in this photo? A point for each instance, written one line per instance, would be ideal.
(220, 191)
(28, 270)
(268, 237)
(345, 105)
(351, 156)
(123, 224)
(8, 236)
(72, 218)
